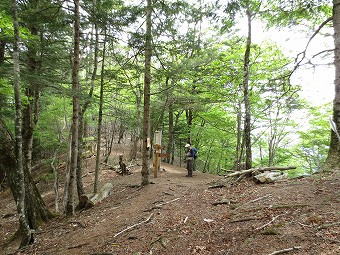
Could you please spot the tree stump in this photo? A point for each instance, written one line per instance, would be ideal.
(122, 166)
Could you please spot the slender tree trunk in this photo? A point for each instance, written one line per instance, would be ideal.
(110, 137)
(333, 159)
(2, 51)
(239, 135)
(80, 186)
(70, 204)
(79, 170)
(247, 128)
(30, 111)
(189, 117)
(100, 119)
(171, 142)
(147, 81)
(136, 135)
(19, 181)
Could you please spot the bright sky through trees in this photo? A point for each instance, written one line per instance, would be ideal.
(317, 80)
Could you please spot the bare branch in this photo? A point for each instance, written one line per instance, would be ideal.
(285, 250)
(133, 226)
(303, 53)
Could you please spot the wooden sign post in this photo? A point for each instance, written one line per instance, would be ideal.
(157, 151)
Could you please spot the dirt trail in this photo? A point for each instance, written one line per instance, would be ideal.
(175, 215)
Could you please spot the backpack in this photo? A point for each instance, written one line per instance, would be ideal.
(193, 152)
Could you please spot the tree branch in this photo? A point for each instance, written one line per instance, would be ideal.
(285, 250)
(303, 53)
(133, 226)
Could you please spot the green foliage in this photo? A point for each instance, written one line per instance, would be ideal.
(5, 88)
(292, 13)
(316, 139)
(192, 70)
(53, 127)
(6, 25)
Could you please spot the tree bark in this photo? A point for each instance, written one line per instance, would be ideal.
(171, 142)
(147, 82)
(30, 111)
(247, 127)
(18, 182)
(333, 159)
(189, 117)
(136, 135)
(238, 137)
(100, 117)
(82, 110)
(70, 203)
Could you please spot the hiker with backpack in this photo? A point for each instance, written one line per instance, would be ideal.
(190, 156)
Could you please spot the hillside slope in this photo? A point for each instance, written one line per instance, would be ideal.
(180, 215)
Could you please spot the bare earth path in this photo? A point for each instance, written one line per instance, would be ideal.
(178, 215)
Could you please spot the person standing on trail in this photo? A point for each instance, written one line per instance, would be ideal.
(190, 156)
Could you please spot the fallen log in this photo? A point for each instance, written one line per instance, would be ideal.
(85, 198)
(260, 169)
(269, 177)
(89, 200)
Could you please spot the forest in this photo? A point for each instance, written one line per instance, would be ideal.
(78, 77)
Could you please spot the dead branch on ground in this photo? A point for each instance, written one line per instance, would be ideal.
(133, 226)
(260, 198)
(164, 203)
(285, 250)
(270, 222)
(224, 202)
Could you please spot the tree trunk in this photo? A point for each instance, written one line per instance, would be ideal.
(100, 117)
(2, 51)
(247, 122)
(333, 159)
(147, 81)
(189, 117)
(171, 142)
(136, 134)
(70, 203)
(110, 135)
(30, 111)
(79, 172)
(18, 182)
(238, 137)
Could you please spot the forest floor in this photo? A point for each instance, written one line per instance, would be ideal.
(181, 215)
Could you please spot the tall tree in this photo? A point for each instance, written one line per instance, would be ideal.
(246, 73)
(147, 82)
(86, 104)
(19, 180)
(334, 149)
(70, 204)
(100, 117)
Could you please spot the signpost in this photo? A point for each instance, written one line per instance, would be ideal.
(157, 151)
